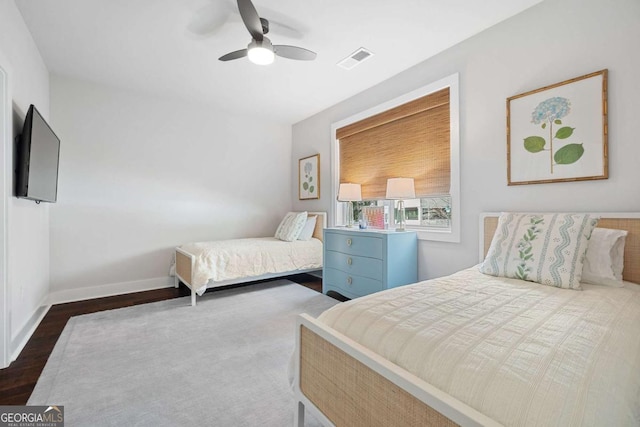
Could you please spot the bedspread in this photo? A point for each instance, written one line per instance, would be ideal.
(238, 258)
(522, 353)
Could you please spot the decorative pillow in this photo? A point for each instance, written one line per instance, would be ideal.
(291, 226)
(543, 248)
(307, 230)
(604, 261)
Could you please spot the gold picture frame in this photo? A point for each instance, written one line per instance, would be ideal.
(558, 133)
(309, 177)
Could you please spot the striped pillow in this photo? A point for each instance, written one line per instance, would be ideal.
(543, 248)
(291, 226)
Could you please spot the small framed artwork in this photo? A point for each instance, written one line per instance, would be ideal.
(309, 177)
(558, 133)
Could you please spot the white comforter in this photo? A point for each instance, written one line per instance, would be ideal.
(522, 353)
(239, 258)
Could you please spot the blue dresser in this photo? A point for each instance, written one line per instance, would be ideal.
(361, 262)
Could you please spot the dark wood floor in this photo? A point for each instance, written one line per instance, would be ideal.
(19, 379)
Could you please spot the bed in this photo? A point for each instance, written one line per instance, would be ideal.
(203, 265)
(585, 355)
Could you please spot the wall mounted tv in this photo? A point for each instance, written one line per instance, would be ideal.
(38, 154)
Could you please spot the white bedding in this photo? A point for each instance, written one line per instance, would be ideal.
(239, 258)
(522, 353)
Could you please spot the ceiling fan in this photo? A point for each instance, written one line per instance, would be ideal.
(260, 50)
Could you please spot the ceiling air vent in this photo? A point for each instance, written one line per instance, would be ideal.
(355, 58)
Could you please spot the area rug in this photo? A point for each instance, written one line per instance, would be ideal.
(223, 362)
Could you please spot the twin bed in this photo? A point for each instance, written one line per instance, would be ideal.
(478, 349)
(204, 265)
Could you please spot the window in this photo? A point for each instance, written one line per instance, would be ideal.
(416, 136)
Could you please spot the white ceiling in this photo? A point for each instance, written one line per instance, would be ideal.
(150, 46)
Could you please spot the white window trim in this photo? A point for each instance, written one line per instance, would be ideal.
(6, 162)
(452, 82)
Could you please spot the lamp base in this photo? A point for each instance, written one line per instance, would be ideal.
(401, 214)
(350, 215)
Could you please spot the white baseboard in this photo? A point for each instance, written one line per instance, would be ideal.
(80, 294)
(22, 338)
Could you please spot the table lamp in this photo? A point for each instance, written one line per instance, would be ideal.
(349, 193)
(400, 189)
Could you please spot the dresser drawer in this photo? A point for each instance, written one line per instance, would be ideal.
(354, 244)
(355, 265)
(354, 285)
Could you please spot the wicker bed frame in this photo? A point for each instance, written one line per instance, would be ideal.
(185, 263)
(343, 383)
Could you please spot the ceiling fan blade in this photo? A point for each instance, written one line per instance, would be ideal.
(208, 19)
(251, 19)
(285, 30)
(284, 25)
(294, 52)
(234, 55)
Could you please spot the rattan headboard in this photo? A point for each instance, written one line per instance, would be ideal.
(321, 224)
(619, 221)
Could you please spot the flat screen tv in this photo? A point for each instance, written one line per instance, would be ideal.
(37, 160)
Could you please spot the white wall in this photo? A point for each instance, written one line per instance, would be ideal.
(140, 175)
(551, 42)
(28, 223)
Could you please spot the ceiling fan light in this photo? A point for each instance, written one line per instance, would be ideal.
(261, 56)
(260, 52)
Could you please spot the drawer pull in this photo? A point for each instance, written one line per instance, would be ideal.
(349, 261)
(349, 242)
(349, 280)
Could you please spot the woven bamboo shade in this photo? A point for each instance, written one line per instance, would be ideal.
(409, 141)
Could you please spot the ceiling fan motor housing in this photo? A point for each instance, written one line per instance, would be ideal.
(265, 25)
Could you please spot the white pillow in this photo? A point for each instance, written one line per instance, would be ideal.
(544, 248)
(307, 230)
(291, 226)
(604, 261)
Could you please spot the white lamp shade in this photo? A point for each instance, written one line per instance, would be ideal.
(350, 193)
(400, 189)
